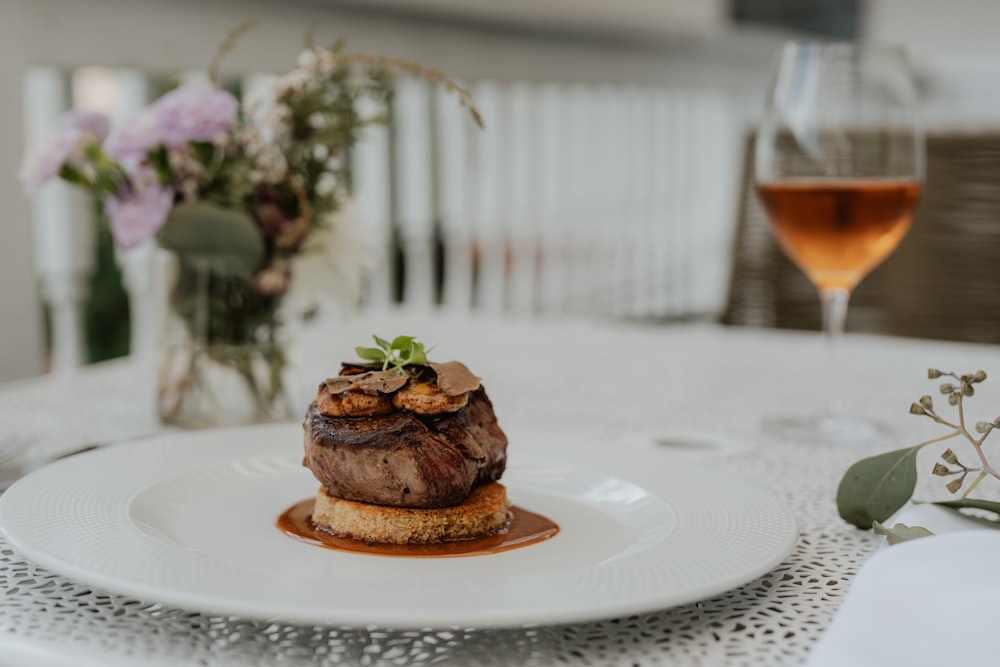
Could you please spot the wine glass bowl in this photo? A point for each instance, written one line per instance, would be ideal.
(836, 231)
(838, 166)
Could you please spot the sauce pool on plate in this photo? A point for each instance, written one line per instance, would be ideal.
(525, 528)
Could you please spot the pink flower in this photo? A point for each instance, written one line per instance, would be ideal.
(140, 213)
(64, 145)
(197, 112)
(132, 139)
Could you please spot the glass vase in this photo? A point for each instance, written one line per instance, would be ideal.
(223, 359)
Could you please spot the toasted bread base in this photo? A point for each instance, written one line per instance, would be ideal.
(485, 511)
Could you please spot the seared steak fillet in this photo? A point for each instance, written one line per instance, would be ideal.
(404, 459)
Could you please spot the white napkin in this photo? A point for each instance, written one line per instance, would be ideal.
(929, 601)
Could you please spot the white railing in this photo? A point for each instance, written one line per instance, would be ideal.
(607, 200)
(610, 200)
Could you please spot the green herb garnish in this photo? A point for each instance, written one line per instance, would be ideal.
(401, 352)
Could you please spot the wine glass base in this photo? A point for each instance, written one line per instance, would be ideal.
(840, 430)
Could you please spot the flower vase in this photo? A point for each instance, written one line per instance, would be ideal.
(223, 360)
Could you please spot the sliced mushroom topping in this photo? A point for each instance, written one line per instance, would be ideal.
(372, 383)
(455, 379)
(339, 384)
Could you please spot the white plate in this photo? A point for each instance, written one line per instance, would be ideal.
(188, 520)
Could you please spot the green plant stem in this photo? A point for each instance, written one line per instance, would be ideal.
(244, 366)
(980, 477)
(987, 468)
(181, 387)
(977, 444)
(940, 438)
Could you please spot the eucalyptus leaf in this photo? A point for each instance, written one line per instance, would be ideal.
(224, 239)
(975, 504)
(900, 532)
(874, 488)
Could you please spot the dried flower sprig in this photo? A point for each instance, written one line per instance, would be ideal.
(874, 488)
(432, 75)
(227, 45)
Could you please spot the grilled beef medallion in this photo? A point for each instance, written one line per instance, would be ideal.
(422, 439)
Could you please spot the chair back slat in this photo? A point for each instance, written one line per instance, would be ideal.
(521, 129)
(145, 271)
(552, 276)
(657, 243)
(491, 190)
(373, 193)
(413, 180)
(452, 135)
(638, 193)
(715, 161)
(62, 219)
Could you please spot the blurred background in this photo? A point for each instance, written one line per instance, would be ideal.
(610, 182)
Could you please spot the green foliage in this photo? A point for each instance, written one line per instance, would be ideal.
(873, 489)
(220, 307)
(876, 487)
(965, 504)
(225, 239)
(401, 352)
(324, 124)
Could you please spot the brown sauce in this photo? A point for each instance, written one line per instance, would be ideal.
(525, 528)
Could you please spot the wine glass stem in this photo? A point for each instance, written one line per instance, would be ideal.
(834, 301)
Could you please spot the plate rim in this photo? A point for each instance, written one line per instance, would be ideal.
(213, 604)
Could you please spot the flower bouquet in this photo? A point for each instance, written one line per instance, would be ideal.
(236, 190)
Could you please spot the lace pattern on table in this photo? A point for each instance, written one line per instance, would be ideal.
(773, 620)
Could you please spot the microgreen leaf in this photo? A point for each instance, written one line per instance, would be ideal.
(402, 343)
(370, 353)
(418, 355)
(874, 488)
(403, 351)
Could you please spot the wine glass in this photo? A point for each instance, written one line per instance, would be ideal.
(839, 162)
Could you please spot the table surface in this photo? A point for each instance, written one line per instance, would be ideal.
(704, 386)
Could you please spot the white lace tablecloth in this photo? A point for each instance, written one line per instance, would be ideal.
(708, 387)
